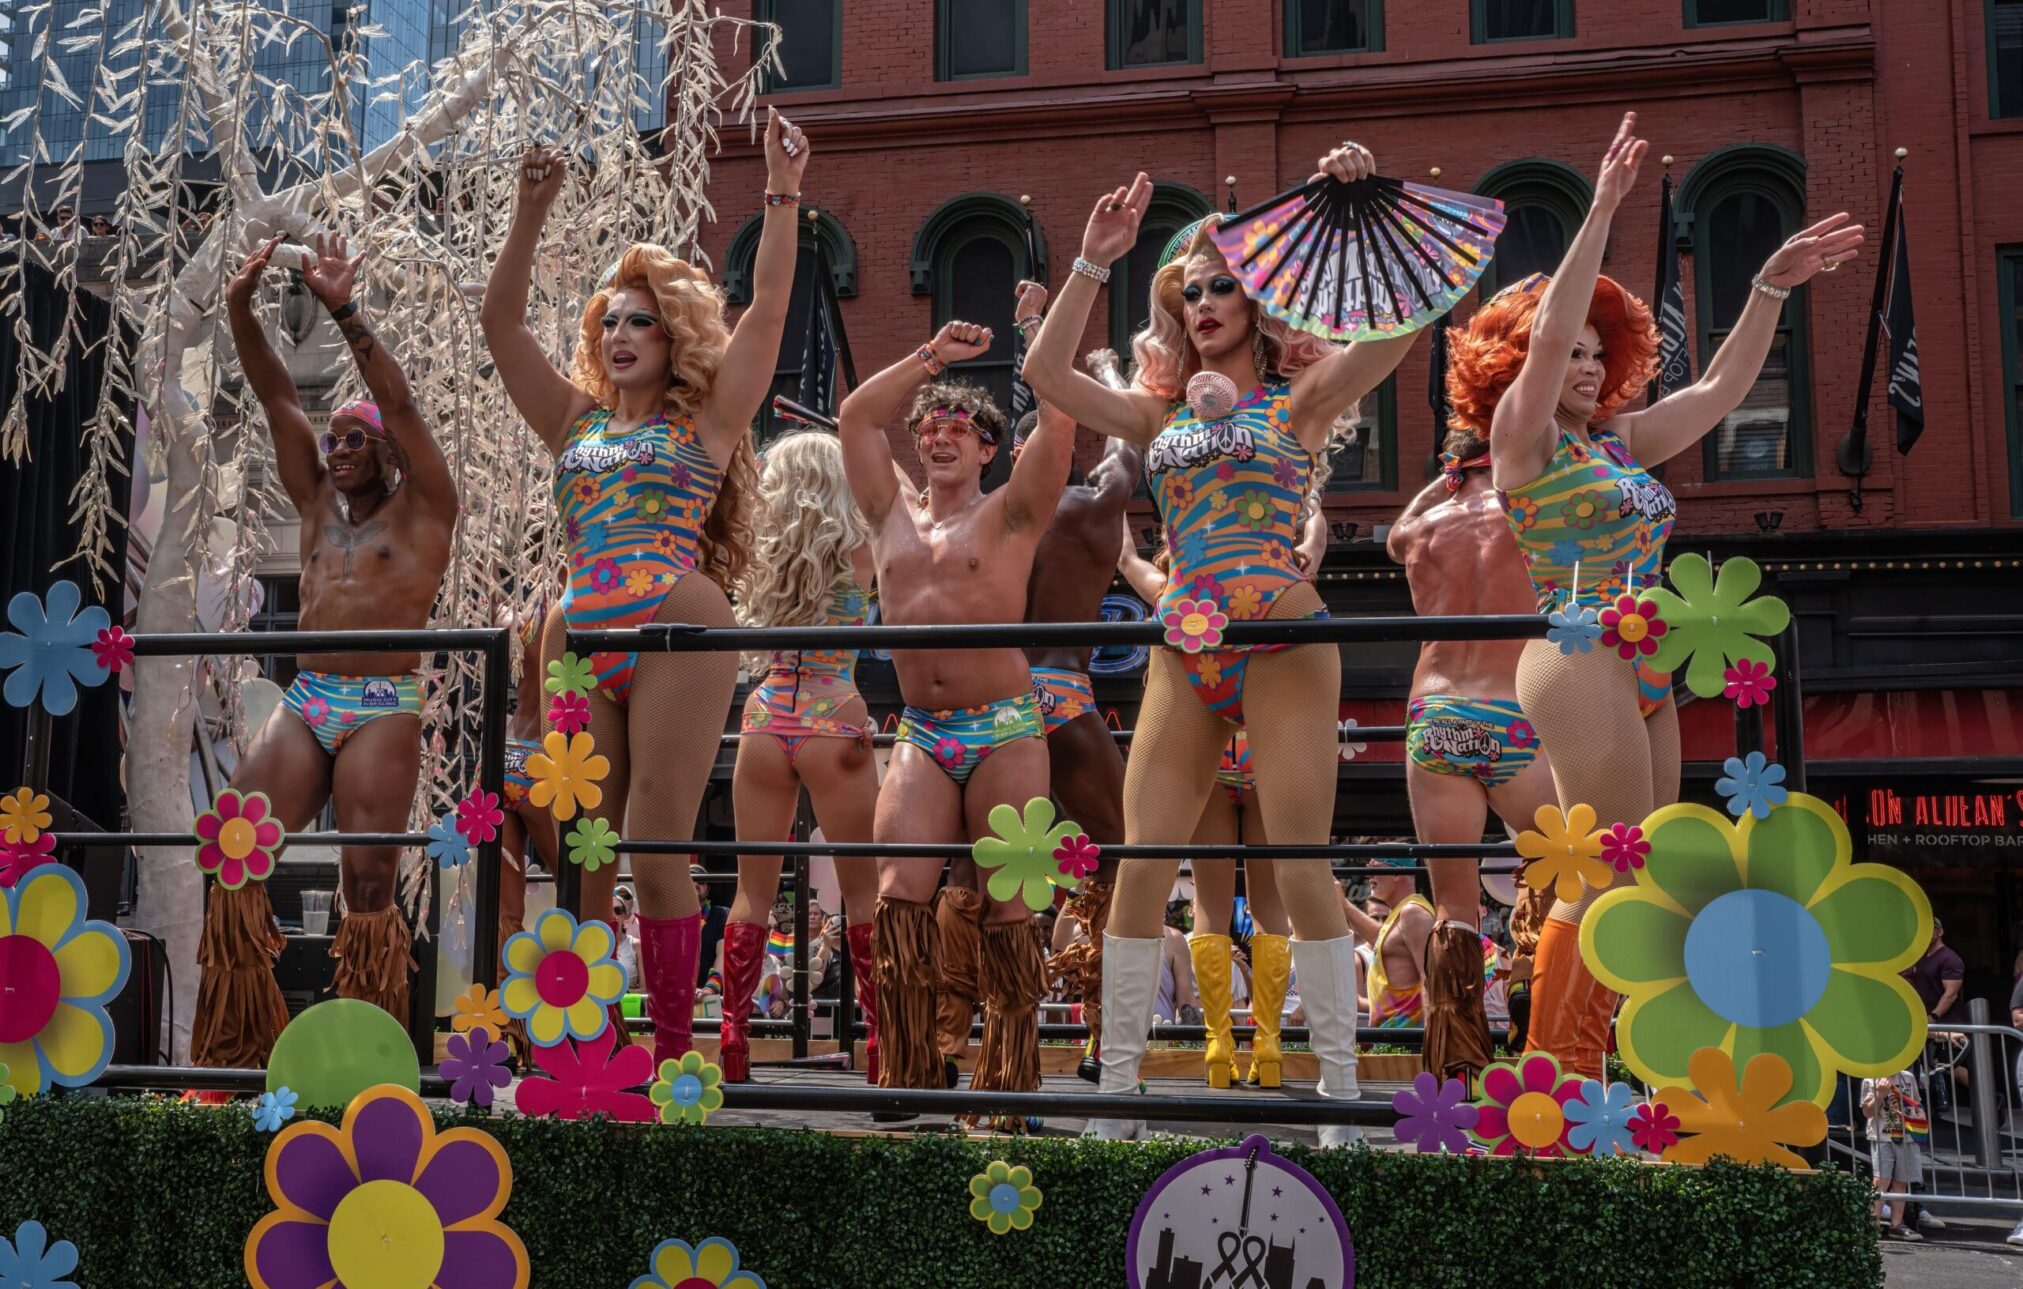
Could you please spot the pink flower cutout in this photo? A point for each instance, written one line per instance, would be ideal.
(479, 816)
(114, 648)
(1624, 846)
(17, 858)
(1077, 855)
(1654, 1128)
(1748, 682)
(239, 835)
(1632, 627)
(1194, 625)
(569, 713)
(587, 1079)
(949, 752)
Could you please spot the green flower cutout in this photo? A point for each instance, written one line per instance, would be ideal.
(572, 676)
(1004, 1198)
(1761, 937)
(687, 1090)
(1714, 621)
(7, 1092)
(592, 843)
(1021, 856)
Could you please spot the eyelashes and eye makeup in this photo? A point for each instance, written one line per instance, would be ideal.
(1220, 284)
(638, 319)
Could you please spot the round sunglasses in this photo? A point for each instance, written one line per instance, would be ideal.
(353, 440)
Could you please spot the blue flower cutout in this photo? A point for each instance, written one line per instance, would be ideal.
(1565, 552)
(1574, 629)
(1752, 786)
(31, 1262)
(1600, 1120)
(446, 846)
(51, 656)
(275, 1108)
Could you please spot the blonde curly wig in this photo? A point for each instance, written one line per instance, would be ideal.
(808, 526)
(691, 311)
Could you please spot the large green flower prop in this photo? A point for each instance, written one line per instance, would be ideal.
(1021, 856)
(1714, 621)
(1761, 937)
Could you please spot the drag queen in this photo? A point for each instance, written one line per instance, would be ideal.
(1232, 407)
(805, 724)
(653, 478)
(1545, 369)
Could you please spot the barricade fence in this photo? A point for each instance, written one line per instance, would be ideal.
(676, 637)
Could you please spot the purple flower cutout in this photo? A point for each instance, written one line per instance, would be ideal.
(1434, 1115)
(476, 1066)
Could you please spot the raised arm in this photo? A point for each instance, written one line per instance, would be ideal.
(1050, 363)
(546, 399)
(1313, 542)
(1365, 926)
(1144, 577)
(867, 455)
(331, 276)
(1681, 419)
(1034, 489)
(746, 376)
(295, 454)
(1521, 431)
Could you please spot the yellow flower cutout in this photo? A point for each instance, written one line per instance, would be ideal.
(1743, 1122)
(566, 773)
(1003, 1197)
(61, 971)
(560, 978)
(1566, 852)
(687, 1090)
(23, 816)
(478, 1007)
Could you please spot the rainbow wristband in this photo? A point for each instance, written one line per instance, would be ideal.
(783, 199)
(934, 365)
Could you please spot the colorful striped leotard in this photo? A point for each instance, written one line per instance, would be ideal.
(1592, 526)
(805, 688)
(1234, 773)
(632, 506)
(1229, 492)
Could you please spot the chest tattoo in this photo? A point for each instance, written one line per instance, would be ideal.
(351, 540)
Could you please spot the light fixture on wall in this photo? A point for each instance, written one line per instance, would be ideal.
(1768, 521)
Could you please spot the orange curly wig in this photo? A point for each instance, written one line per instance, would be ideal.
(1484, 357)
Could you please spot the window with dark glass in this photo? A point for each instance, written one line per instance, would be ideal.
(1543, 204)
(1714, 13)
(1145, 33)
(2005, 57)
(976, 283)
(1370, 464)
(1492, 20)
(793, 343)
(1738, 226)
(1174, 207)
(1333, 27)
(2009, 266)
(976, 40)
(811, 42)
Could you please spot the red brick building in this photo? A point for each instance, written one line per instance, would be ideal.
(932, 118)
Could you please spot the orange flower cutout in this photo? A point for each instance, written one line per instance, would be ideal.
(1566, 852)
(478, 1006)
(1745, 1121)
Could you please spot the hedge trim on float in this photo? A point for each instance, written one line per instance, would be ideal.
(159, 1195)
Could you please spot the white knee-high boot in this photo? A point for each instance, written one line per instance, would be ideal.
(1130, 983)
(1326, 972)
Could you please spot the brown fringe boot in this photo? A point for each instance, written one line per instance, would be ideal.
(1013, 979)
(1080, 968)
(958, 914)
(374, 956)
(905, 942)
(240, 1011)
(1457, 1028)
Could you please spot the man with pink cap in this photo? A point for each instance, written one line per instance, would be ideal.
(378, 508)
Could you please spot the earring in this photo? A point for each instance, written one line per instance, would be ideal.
(1257, 352)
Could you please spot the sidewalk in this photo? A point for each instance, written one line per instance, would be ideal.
(1968, 1254)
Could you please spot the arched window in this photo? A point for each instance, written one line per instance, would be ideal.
(837, 250)
(969, 256)
(1174, 206)
(1544, 203)
(1744, 201)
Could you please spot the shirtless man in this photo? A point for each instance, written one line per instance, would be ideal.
(971, 736)
(1397, 928)
(1468, 747)
(378, 508)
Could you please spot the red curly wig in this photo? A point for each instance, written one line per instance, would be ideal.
(1485, 357)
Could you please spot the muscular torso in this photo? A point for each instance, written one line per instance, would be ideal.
(1459, 559)
(1075, 564)
(380, 573)
(969, 568)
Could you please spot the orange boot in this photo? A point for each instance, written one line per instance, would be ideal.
(1593, 1044)
(1561, 993)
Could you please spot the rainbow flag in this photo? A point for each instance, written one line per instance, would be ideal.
(780, 944)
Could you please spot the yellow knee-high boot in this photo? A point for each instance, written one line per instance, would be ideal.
(1270, 972)
(1211, 980)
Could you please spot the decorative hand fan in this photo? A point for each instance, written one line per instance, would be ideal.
(1365, 260)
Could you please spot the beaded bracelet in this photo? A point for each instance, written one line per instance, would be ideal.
(1023, 323)
(783, 199)
(1088, 269)
(934, 365)
(1774, 292)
